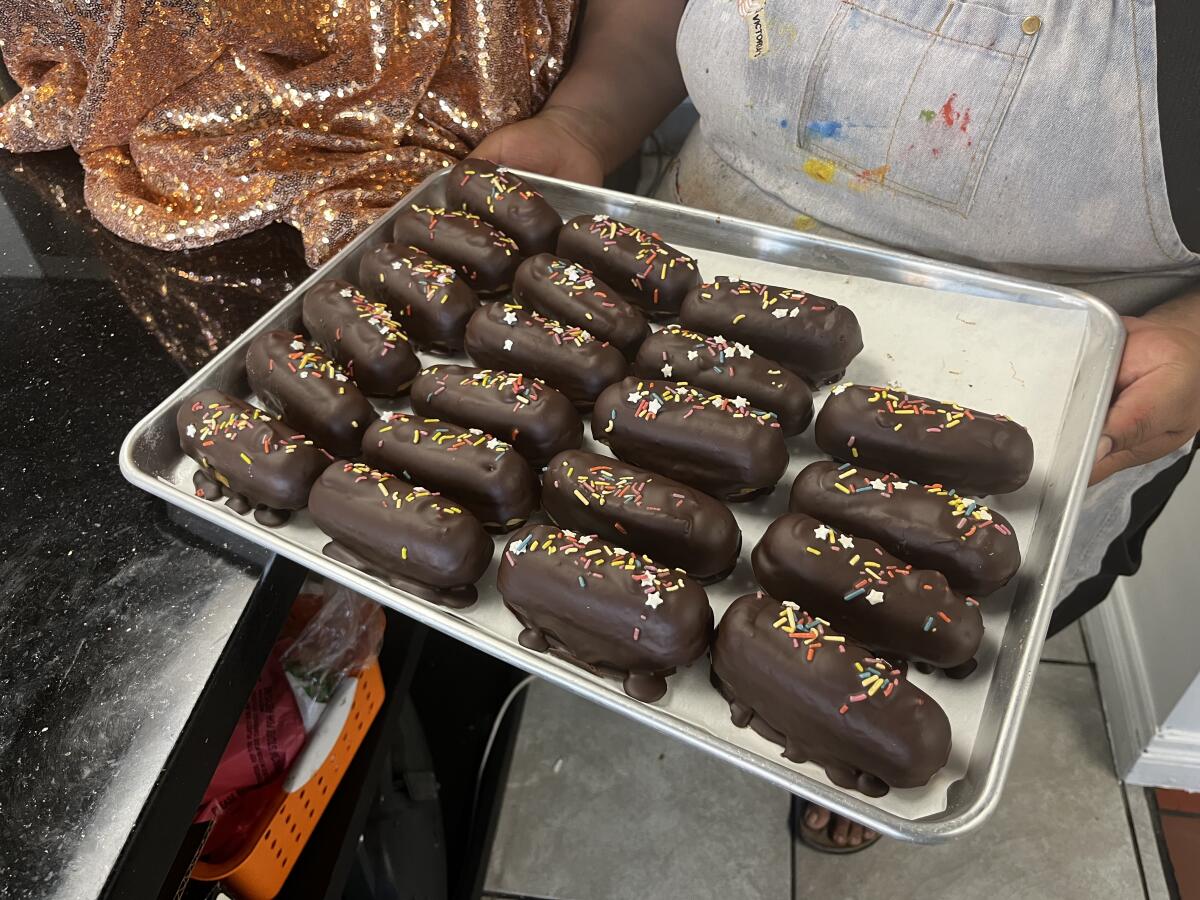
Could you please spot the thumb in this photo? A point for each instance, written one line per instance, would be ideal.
(1132, 430)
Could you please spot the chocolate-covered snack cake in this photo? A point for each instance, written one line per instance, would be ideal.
(362, 337)
(505, 335)
(400, 532)
(247, 456)
(481, 472)
(677, 525)
(930, 526)
(485, 257)
(926, 440)
(862, 590)
(429, 299)
(647, 271)
(506, 201)
(566, 291)
(524, 411)
(730, 369)
(722, 446)
(813, 336)
(826, 698)
(303, 386)
(606, 609)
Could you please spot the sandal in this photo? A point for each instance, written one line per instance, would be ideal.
(819, 839)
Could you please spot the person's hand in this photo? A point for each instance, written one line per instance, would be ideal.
(554, 142)
(1156, 406)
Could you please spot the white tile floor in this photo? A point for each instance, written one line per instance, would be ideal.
(598, 807)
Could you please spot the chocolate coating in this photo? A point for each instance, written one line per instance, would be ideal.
(506, 201)
(533, 417)
(508, 336)
(398, 530)
(826, 698)
(647, 271)
(729, 450)
(362, 337)
(862, 590)
(928, 525)
(247, 455)
(813, 336)
(674, 524)
(430, 300)
(729, 369)
(485, 257)
(298, 382)
(566, 291)
(927, 440)
(481, 472)
(606, 609)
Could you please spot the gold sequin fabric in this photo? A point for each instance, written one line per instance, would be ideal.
(202, 120)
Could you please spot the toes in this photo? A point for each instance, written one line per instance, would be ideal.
(841, 831)
(856, 835)
(869, 835)
(817, 817)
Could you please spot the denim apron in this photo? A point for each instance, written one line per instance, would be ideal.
(1016, 135)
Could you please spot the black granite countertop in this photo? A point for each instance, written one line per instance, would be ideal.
(112, 614)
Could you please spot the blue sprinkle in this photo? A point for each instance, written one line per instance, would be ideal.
(583, 584)
(853, 594)
(865, 487)
(928, 624)
(843, 467)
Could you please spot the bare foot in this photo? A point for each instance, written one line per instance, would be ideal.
(840, 831)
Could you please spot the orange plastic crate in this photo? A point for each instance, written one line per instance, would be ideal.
(260, 869)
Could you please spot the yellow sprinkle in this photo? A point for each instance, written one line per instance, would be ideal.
(382, 489)
(854, 559)
(847, 473)
(854, 453)
(385, 428)
(841, 487)
(246, 459)
(897, 426)
(404, 553)
(951, 424)
(582, 499)
(738, 318)
(812, 551)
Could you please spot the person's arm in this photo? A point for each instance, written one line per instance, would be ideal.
(623, 81)
(1156, 405)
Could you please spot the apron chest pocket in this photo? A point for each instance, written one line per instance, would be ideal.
(911, 93)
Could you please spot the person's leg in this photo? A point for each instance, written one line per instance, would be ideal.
(1124, 555)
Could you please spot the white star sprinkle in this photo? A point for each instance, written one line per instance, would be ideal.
(846, 541)
(297, 345)
(821, 532)
(191, 431)
(510, 318)
(518, 549)
(654, 406)
(740, 402)
(780, 313)
(875, 597)
(508, 345)
(653, 600)
(634, 397)
(837, 389)
(743, 350)
(494, 444)
(667, 370)
(877, 484)
(900, 485)
(692, 354)
(795, 312)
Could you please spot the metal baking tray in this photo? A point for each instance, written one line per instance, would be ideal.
(1044, 355)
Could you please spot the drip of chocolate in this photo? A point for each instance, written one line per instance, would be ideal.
(930, 526)
(604, 608)
(928, 440)
(524, 411)
(362, 337)
(568, 292)
(507, 336)
(728, 368)
(506, 201)
(813, 336)
(722, 446)
(393, 529)
(648, 272)
(826, 698)
(430, 300)
(485, 257)
(295, 380)
(247, 456)
(677, 525)
(862, 590)
(482, 472)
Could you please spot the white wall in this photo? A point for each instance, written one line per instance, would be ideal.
(1145, 640)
